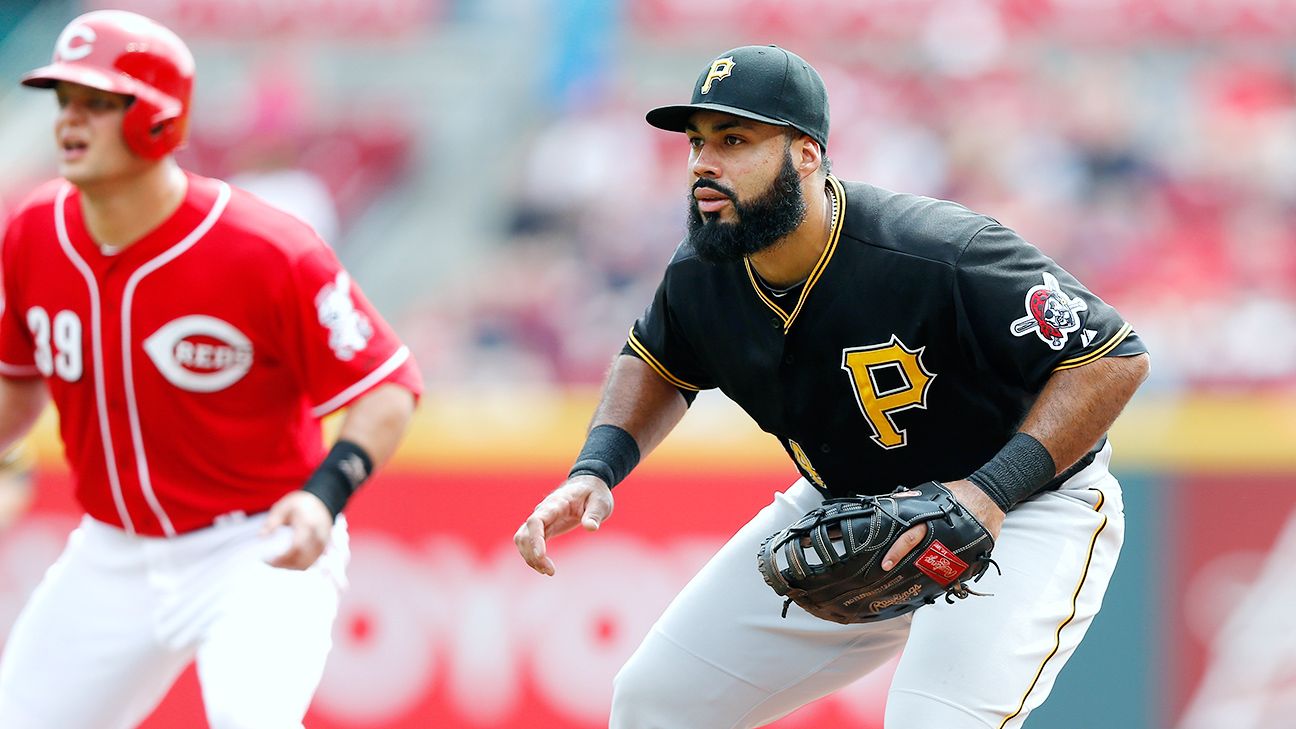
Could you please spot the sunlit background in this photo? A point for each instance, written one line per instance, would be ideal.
(484, 170)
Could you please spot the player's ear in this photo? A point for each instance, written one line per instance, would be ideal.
(807, 155)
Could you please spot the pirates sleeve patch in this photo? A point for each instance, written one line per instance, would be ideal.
(1050, 313)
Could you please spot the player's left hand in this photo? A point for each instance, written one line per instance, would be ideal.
(972, 498)
(311, 525)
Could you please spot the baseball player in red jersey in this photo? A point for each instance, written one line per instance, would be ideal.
(191, 338)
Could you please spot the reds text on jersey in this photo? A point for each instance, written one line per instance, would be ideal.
(191, 368)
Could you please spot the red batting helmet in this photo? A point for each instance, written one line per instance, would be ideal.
(125, 53)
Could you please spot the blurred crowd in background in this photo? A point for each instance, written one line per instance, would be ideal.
(484, 167)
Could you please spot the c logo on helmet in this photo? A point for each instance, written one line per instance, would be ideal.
(69, 52)
(720, 68)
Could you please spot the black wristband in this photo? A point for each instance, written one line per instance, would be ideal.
(1017, 472)
(609, 453)
(339, 475)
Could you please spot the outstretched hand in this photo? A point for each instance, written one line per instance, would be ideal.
(581, 500)
(972, 498)
(311, 524)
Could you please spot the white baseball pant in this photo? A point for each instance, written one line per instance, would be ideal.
(118, 617)
(721, 657)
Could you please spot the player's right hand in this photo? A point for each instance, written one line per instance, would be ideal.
(581, 500)
(311, 524)
(972, 498)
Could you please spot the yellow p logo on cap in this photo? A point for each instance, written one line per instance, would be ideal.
(720, 68)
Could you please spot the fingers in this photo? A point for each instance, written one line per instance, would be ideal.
(597, 508)
(274, 519)
(311, 524)
(584, 501)
(552, 515)
(307, 545)
(549, 519)
(903, 545)
(530, 543)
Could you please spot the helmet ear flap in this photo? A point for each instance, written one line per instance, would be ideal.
(146, 135)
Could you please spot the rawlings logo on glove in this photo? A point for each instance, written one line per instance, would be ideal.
(830, 560)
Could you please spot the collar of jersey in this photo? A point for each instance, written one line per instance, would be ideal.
(839, 217)
(200, 200)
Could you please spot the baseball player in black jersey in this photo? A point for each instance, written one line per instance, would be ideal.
(885, 340)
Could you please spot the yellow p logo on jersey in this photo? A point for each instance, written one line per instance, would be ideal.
(720, 68)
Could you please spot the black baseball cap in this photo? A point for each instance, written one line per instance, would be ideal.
(765, 83)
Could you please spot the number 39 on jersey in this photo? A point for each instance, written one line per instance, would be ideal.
(58, 343)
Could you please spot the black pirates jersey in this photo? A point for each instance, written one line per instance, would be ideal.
(912, 352)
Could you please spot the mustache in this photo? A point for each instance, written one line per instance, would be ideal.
(710, 185)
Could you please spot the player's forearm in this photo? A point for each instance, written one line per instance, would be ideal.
(21, 403)
(1074, 410)
(637, 411)
(1077, 406)
(637, 400)
(371, 430)
(378, 420)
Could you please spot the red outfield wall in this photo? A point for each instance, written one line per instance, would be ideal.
(444, 626)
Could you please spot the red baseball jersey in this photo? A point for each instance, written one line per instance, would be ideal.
(190, 369)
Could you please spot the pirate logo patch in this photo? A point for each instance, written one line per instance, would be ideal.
(1050, 313)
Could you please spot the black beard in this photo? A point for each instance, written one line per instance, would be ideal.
(761, 222)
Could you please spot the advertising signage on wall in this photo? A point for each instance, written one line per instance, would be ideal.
(444, 626)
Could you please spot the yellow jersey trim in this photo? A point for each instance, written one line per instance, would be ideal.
(1075, 596)
(1097, 354)
(778, 310)
(839, 219)
(660, 369)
